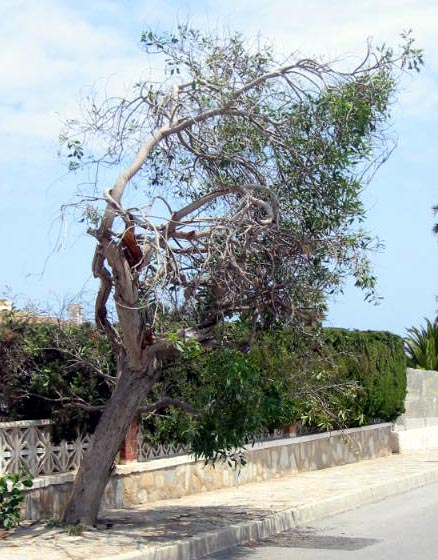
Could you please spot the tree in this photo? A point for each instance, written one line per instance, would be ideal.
(421, 345)
(255, 169)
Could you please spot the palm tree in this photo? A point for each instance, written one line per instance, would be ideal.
(421, 344)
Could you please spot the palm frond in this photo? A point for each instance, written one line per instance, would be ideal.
(421, 345)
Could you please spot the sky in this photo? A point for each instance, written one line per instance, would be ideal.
(53, 51)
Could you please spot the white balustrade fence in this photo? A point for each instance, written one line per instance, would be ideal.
(147, 451)
(27, 446)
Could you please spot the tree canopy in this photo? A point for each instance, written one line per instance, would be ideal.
(258, 164)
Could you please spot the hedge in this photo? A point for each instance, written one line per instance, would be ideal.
(327, 380)
(376, 360)
(336, 378)
(44, 365)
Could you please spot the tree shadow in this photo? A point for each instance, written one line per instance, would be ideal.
(167, 523)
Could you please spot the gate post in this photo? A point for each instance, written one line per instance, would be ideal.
(129, 451)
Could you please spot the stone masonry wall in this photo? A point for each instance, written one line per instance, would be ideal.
(138, 483)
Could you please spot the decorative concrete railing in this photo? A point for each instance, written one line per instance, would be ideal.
(147, 452)
(28, 446)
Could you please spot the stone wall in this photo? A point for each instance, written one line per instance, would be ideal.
(417, 428)
(421, 404)
(173, 477)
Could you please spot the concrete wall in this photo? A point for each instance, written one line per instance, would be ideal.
(137, 483)
(417, 428)
(421, 402)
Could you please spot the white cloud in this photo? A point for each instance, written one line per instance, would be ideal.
(47, 53)
(335, 29)
(50, 49)
(338, 26)
(419, 98)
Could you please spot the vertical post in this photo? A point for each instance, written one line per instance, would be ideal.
(291, 430)
(129, 451)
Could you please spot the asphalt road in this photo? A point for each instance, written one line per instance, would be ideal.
(404, 527)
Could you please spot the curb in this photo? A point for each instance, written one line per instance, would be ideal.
(210, 542)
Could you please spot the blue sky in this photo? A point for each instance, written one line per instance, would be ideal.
(53, 51)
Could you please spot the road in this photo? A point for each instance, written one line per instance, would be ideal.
(404, 527)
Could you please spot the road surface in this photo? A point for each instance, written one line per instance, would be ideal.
(403, 527)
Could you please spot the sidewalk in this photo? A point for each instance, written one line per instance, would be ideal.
(193, 526)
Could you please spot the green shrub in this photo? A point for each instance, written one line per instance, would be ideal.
(11, 496)
(235, 393)
(231, 400)
(376, 360)
(421, 346)
(46, 366)
(329, 378)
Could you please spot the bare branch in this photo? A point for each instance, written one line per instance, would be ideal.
(101, 313)
(166, 402)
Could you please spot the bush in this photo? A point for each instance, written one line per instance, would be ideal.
(235, 393)
(46, 366)
(328, 379)
(230, 397)
(376, 360)
(11, 496)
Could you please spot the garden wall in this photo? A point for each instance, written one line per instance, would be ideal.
(417, 428)
(137, 483)
(421, 403)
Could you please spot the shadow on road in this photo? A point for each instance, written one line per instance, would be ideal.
(298, 538)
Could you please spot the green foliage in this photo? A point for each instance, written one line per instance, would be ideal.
(233, 400)
(49, 366)
(334, 380)
(231, 397)
(412, 57)
(317, 395)
(435, 227)
(75, 529)
(376, 360)
(343, 379)
(234, 393)
(72, 529)
(75, 154)
(12, 488)
(421, 346)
